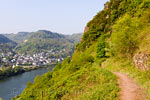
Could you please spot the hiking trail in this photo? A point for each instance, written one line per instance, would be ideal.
(130, 90)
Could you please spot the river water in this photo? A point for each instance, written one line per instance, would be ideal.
(12, 86)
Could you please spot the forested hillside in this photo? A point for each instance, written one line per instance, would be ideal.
(6, 44)
(75, 38)
(43, 41)
(19, 37)
(115, 40)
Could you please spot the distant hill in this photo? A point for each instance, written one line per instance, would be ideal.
(75, 37)
(117, 39)
(6, 44)
(4, 39)
(44, 40)
(19, 37)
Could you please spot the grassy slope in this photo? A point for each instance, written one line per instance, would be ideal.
(139, 31)
(81, 79)
(84, 77)
(126, 65)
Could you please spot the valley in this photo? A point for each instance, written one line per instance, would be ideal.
(115, 40)
(13, 86)
(109, 61)
(29, 51)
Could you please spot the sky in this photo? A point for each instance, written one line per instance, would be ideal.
(62, 16)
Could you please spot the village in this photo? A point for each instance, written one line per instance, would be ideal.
(38, 59)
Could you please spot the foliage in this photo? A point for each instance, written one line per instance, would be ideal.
(75, 38)
(9, 71)
(19, 37)
(4, 39)
(126, 66)
(89, 59)
(42, 41)
(101, 49)
(76, 79)
(6, 45)
(68, 87)
(120, 27)
(125, 40)
(103, 21)
(57, 67)
(145, 4)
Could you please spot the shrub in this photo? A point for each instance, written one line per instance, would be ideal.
(89, 59)
(57, 67)
(145, 4)
(125, 36)
(100, 61)
(101, 51)
(29, 84)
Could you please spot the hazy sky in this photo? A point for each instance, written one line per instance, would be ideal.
(63, 16)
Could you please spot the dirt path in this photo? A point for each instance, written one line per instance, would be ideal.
(129, 88)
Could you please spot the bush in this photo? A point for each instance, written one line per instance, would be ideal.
(101, 51)
(57, 67)
(29, 84)
(89, 59)
(100, 61)
(145, 4)
(125, 36)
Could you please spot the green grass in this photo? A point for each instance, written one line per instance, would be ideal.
(92, 83)
(127, 67)
(78, 79)
(88, 75)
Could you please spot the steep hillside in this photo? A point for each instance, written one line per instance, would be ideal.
(115, 40)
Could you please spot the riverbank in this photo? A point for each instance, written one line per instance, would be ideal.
(10, 71)
(12, 86)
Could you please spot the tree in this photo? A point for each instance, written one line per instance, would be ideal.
(101, 49)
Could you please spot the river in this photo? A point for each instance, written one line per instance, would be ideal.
(12, 86)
